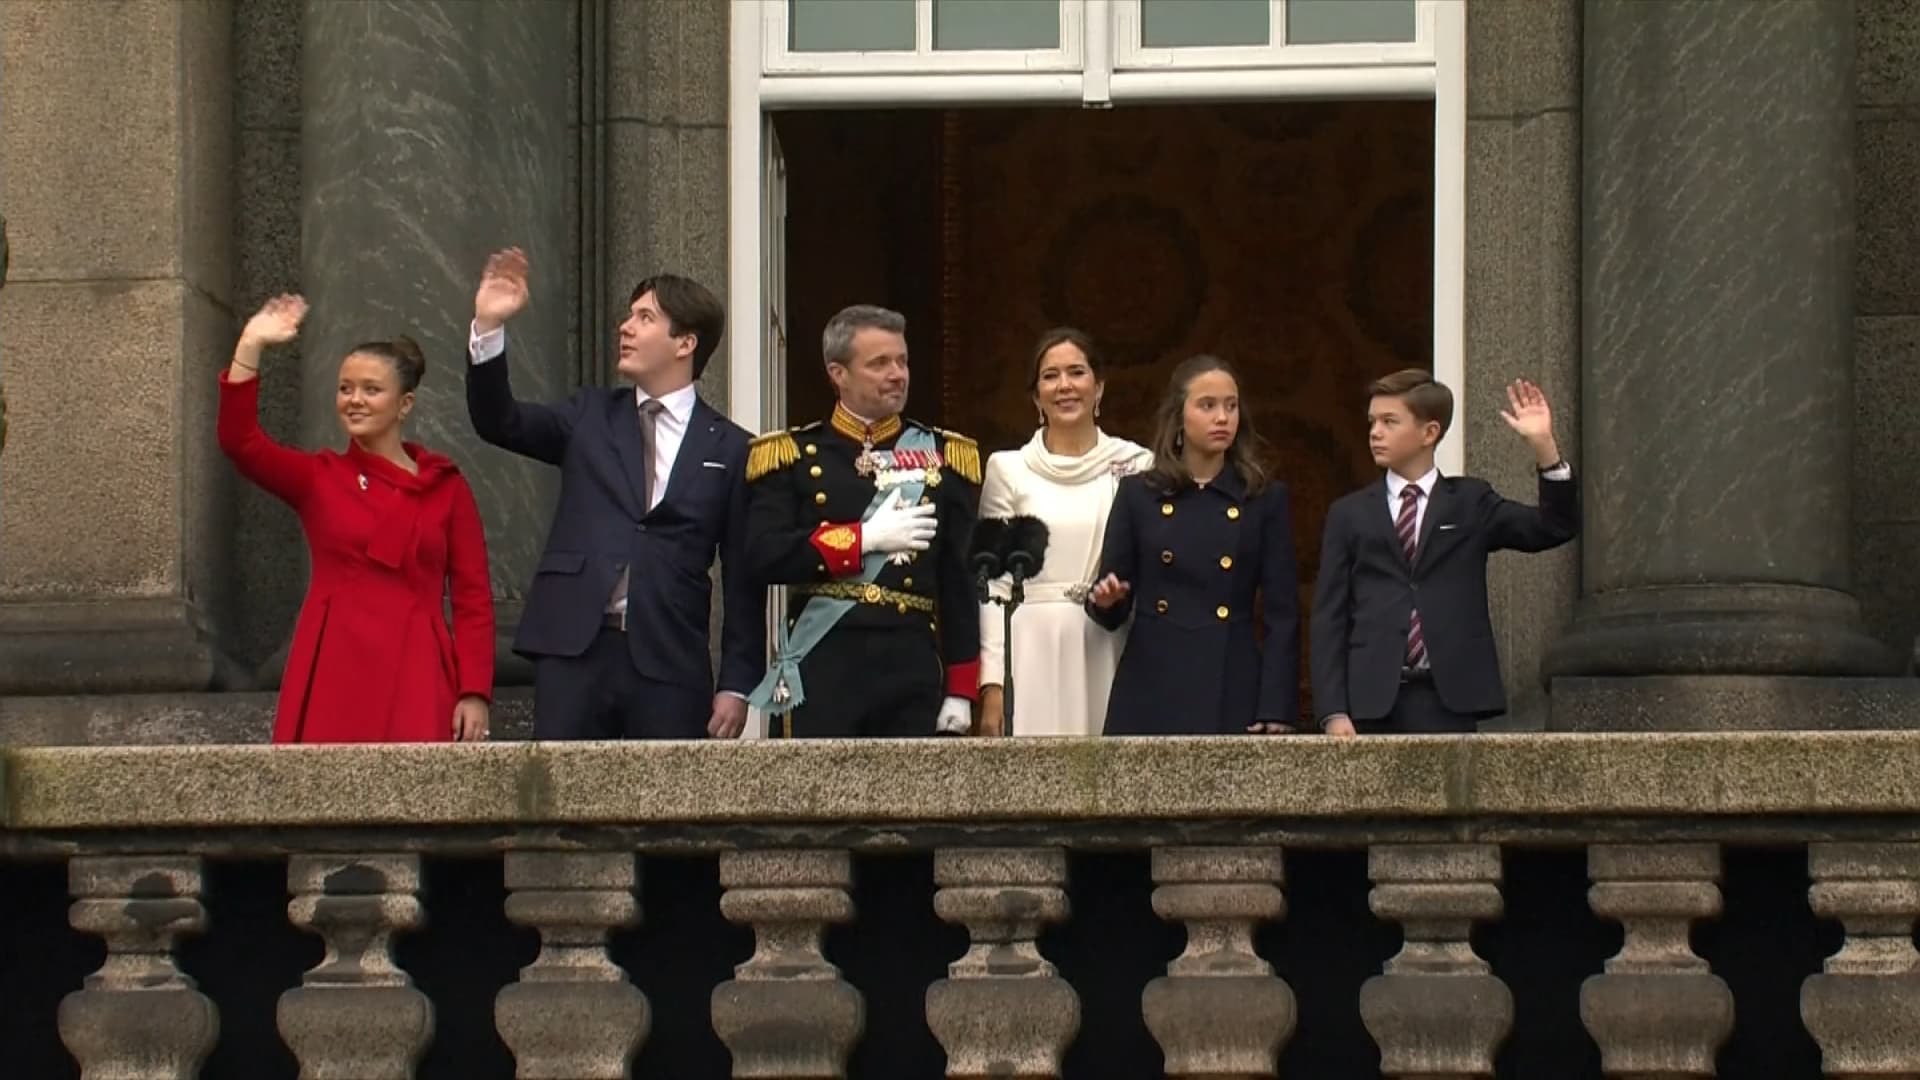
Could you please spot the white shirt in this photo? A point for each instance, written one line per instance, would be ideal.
(1397, 484)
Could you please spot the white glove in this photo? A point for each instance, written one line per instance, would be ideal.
(956, 717)
(896, 529)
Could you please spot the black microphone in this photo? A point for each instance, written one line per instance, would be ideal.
(984, 553)
(1026, 547)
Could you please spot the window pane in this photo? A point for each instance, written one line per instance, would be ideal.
(996, 24)
(850, 25)
(1323, 22)
(1175, 23)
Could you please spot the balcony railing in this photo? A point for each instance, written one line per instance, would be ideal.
(1227, 830)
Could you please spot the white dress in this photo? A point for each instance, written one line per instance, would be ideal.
(1063, 661)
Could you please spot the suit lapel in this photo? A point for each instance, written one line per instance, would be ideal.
(623, 421)
(1381, 516)
(702, 425)
(1439, 511)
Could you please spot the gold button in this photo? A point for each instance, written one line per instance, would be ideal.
(812, 449)
(1221, 611)
(932, 627)
(1166, 509)
(1226, 562)
(907, 584)
(871, 594)
(1233, 513)
(902, 605)
(819, 568)
(1160, 606)
(819, 498)
(814, 472)
(1167, 557)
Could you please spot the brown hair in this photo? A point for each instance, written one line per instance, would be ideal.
(1065, 335)
(1170, 472)
(690, 308)
(1425, 398)
(403, 353)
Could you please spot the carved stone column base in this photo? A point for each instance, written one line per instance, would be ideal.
(1001, 1030)
(1231, 1026)
(798, 1030)
(367, 1033)
(1864, 1008)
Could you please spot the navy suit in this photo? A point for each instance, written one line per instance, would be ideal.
(1363, 602)
(601, 525)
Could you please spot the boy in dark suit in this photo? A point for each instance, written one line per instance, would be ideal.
(1401, 638)
(652, 488)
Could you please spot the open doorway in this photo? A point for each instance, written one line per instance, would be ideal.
(1293, 238)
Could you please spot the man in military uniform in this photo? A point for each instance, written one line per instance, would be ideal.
(866, 518)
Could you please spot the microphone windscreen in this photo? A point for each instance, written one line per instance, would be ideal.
(989, 539)
(1027, 538)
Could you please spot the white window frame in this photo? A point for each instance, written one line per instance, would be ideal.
(1131, 52)
(778, 59)
(763, 77)
(756, 398)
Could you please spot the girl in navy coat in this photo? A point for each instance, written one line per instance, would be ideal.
(1191, 547)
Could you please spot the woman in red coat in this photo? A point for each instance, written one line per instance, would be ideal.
(393, 531)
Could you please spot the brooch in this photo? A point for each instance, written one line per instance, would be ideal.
(363, 481)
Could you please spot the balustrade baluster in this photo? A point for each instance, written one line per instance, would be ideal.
(1864, 1008)
(787, 1014)
(139, 1017)
(1003, 1012)
(1437, 1011)
(1219, 1011)
(573, 1015)
(356, 1014)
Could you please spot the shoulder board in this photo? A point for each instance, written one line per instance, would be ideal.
(771, 452)
(962, 454)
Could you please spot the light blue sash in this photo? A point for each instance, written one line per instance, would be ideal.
(823, 612)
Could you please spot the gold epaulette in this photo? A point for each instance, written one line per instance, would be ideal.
(771, 452)
(962, 454)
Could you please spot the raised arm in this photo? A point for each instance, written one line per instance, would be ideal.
(532, 430)
(286, 473)
(1279, 701)
(1556, 520)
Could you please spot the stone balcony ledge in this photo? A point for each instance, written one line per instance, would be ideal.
(1498, 782)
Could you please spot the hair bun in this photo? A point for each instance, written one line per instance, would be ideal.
(411, 355)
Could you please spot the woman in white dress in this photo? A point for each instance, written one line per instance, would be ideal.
(1065, 475)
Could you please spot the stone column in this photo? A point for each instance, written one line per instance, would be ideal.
(1658, 1011)
(1219, 1010)
(1003, 1011)
(357, 1013)
(573, 1015)
(114, 569)
(433, 131)
(138, 1017)
(787, 1013)
(1437, 1010)
(1716, 368)
(1864, 1009)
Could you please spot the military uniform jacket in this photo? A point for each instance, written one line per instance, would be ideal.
(1199, 559)
(809, 493)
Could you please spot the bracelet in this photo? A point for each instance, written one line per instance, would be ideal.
(253, 368)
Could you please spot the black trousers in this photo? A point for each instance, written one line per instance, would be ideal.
(1419, 711)
(871, 683)
(599, 695)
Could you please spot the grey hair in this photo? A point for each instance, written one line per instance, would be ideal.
(836, 343)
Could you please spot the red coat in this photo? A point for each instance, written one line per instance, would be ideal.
(372, 657)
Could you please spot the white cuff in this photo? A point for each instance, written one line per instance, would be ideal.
(1562, 471)
(484, 347)
(735, 694)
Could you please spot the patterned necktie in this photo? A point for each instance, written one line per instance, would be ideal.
(1405, 525)
(649, 416)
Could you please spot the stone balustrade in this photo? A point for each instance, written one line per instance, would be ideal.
(1648, 824)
